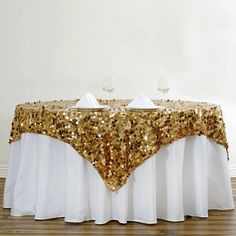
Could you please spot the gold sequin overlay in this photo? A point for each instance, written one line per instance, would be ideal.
(118, 142)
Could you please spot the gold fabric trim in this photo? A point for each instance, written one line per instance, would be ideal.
(116, 142)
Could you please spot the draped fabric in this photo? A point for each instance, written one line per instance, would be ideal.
(116, 143)
(47, 178)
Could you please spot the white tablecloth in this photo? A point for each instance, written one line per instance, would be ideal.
(47, 178)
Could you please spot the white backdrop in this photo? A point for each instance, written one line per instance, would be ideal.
(60, 49)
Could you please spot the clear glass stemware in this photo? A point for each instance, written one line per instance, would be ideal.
(163, 86)
(108, 86)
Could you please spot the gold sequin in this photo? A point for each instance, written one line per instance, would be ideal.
(117, 142)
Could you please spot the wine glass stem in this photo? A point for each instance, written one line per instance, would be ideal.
(163, 96)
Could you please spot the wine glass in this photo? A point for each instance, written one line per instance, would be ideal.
(163, 86)
(108, 85)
